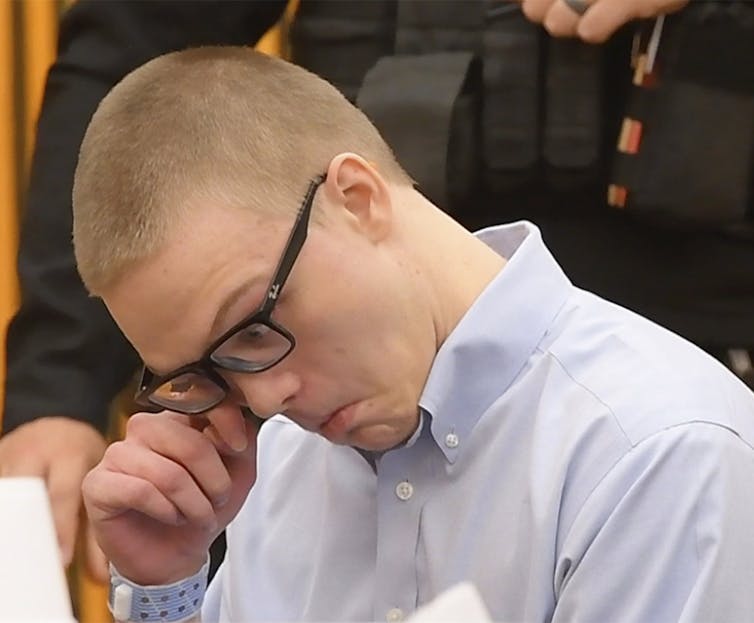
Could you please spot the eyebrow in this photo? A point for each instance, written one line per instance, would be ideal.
(233, 298)
(220, 317)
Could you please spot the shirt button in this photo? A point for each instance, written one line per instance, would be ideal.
(451, 440)
(394, 614)
(404, 490)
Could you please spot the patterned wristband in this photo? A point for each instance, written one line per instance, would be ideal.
(169, 603)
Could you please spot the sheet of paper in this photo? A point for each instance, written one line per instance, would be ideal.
(32, 580)
(460, 603)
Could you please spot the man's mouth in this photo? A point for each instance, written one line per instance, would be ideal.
(338, 422)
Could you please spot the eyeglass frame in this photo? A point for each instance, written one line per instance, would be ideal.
(206, 366)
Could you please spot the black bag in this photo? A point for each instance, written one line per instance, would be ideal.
(694, 163)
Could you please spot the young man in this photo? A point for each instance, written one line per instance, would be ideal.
(545, 103)
(452, 407)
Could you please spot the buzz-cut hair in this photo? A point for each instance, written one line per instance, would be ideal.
(210, 124)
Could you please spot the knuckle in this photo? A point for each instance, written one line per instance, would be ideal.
(137, 493)
(116, 452)
(554, 27)
(592, 36)
(94, 484)
(138, 422)
(196, 449)
(87, 483)
(172, 478)
(220, 490)
(532, 11)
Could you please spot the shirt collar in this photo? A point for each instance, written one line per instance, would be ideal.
(493, 341)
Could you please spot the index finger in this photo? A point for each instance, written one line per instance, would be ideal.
(173, 437)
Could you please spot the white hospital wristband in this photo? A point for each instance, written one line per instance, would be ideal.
(170, 603)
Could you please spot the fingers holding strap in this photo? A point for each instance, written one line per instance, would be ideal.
(577, 6)
(592, 21)
(559, 17)
(564, 16)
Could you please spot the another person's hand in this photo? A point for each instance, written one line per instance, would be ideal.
(60, 450)
(593, 21)
(159, 497)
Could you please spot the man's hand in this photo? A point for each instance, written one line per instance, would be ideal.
(61, 451)
(159, 497)
(601, 18)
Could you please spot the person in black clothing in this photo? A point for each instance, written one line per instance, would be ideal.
(544, 126)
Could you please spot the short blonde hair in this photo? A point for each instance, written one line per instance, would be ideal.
(207, 124)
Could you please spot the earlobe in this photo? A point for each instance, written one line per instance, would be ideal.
(356, 186)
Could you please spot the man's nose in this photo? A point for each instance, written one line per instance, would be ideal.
(265, 393)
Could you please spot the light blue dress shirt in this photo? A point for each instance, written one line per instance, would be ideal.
(575, 462)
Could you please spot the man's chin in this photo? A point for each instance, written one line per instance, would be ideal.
(376, 438)
(350, 426)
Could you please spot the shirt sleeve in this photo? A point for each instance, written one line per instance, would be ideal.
(65, 356)
(211, 608)
(666, 535)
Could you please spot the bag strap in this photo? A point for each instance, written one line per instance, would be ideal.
(417, 122)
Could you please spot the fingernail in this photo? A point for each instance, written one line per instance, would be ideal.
(239, 441)
(238, 444)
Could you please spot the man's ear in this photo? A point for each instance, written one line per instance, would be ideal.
(355, 185)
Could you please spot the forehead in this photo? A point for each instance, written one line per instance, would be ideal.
(212, 242)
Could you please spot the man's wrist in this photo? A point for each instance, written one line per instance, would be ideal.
(172, 603)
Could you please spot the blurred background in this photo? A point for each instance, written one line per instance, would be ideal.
(28, 31)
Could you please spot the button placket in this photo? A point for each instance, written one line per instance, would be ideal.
(401, 478)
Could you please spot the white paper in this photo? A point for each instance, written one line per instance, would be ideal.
(459, 604)
(32, 580)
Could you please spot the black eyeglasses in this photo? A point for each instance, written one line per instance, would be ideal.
(254, 344)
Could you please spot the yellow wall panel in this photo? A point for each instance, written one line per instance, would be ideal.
(40, 27)
(28, 31)
(8, 177)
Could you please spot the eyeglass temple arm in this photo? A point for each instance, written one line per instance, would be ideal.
(295, 242)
